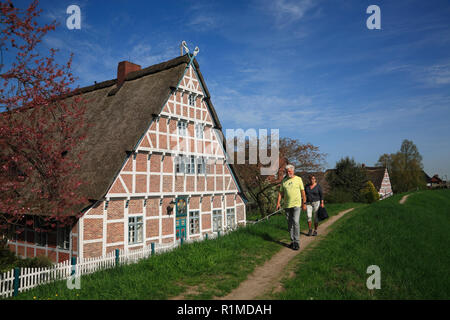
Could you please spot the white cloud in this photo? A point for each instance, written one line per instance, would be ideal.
(287, 12)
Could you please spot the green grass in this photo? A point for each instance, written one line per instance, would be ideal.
(211, 268)
(410, 243)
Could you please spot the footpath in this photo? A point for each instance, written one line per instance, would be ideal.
(266, 278)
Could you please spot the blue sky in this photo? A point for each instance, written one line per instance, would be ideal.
(310, 68)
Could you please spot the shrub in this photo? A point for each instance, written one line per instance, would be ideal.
(369, 192)
(7, 257)
(36, 262)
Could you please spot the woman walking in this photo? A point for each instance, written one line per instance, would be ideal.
(314, 199)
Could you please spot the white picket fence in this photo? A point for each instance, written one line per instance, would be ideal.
(32, 277)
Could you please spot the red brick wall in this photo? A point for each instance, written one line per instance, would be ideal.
(152, 228)
(155, 183)
(206, 221)
(141, 183)
(155, 163)
(194, 202)
(206, 204)
(114, 232)
(167, 184)
(92, 249)
(93, 229)
(97, 209)
(141, 162)
(153, 207)
(136, 206)
(167, 226)
(115, 209)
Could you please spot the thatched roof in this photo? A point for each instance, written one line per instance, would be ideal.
(119, 116)
(376, 175)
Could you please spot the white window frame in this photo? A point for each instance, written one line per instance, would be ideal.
(135, 229)
(201, 165)
(194, 222)
(199, 128)
(190, 165)
(231, 217)
(217, 220)
(180, 164)
(191, 100)
(182, 128)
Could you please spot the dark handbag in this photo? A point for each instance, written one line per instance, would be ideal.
(322, 214)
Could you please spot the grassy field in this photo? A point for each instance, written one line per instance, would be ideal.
(410, 243)
(207, 269)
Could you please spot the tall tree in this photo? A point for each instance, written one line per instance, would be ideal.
(38, 127)
(348, 177)
(404, 167)
(407, 168)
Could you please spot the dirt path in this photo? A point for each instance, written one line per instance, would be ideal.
(403, 199)
(267, 276)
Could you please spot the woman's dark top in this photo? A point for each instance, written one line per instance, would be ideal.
(314, 194)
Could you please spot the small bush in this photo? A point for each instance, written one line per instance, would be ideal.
(7, 257)
(369, 193)
(8, 260)
(36, 262)
(338, 195)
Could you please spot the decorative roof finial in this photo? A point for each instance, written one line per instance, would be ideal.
(184, 46)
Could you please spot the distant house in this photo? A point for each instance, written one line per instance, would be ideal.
(380, 179)
(155, 167)
(378, 175)
(434, 182)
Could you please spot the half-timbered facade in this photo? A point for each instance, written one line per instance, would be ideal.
(162, 175)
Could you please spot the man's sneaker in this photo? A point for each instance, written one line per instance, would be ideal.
(296, 246)
(309, 233)
(315, 233)
(291, 245)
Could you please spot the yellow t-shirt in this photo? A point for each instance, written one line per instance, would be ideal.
(290, 187)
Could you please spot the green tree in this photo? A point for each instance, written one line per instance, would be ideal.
(404, 167)
(348, 177)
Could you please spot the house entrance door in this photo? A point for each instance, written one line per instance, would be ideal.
(180, 218)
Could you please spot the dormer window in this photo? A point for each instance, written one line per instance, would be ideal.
(191, 100)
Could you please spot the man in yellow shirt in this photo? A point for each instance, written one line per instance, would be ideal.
(293, 193)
